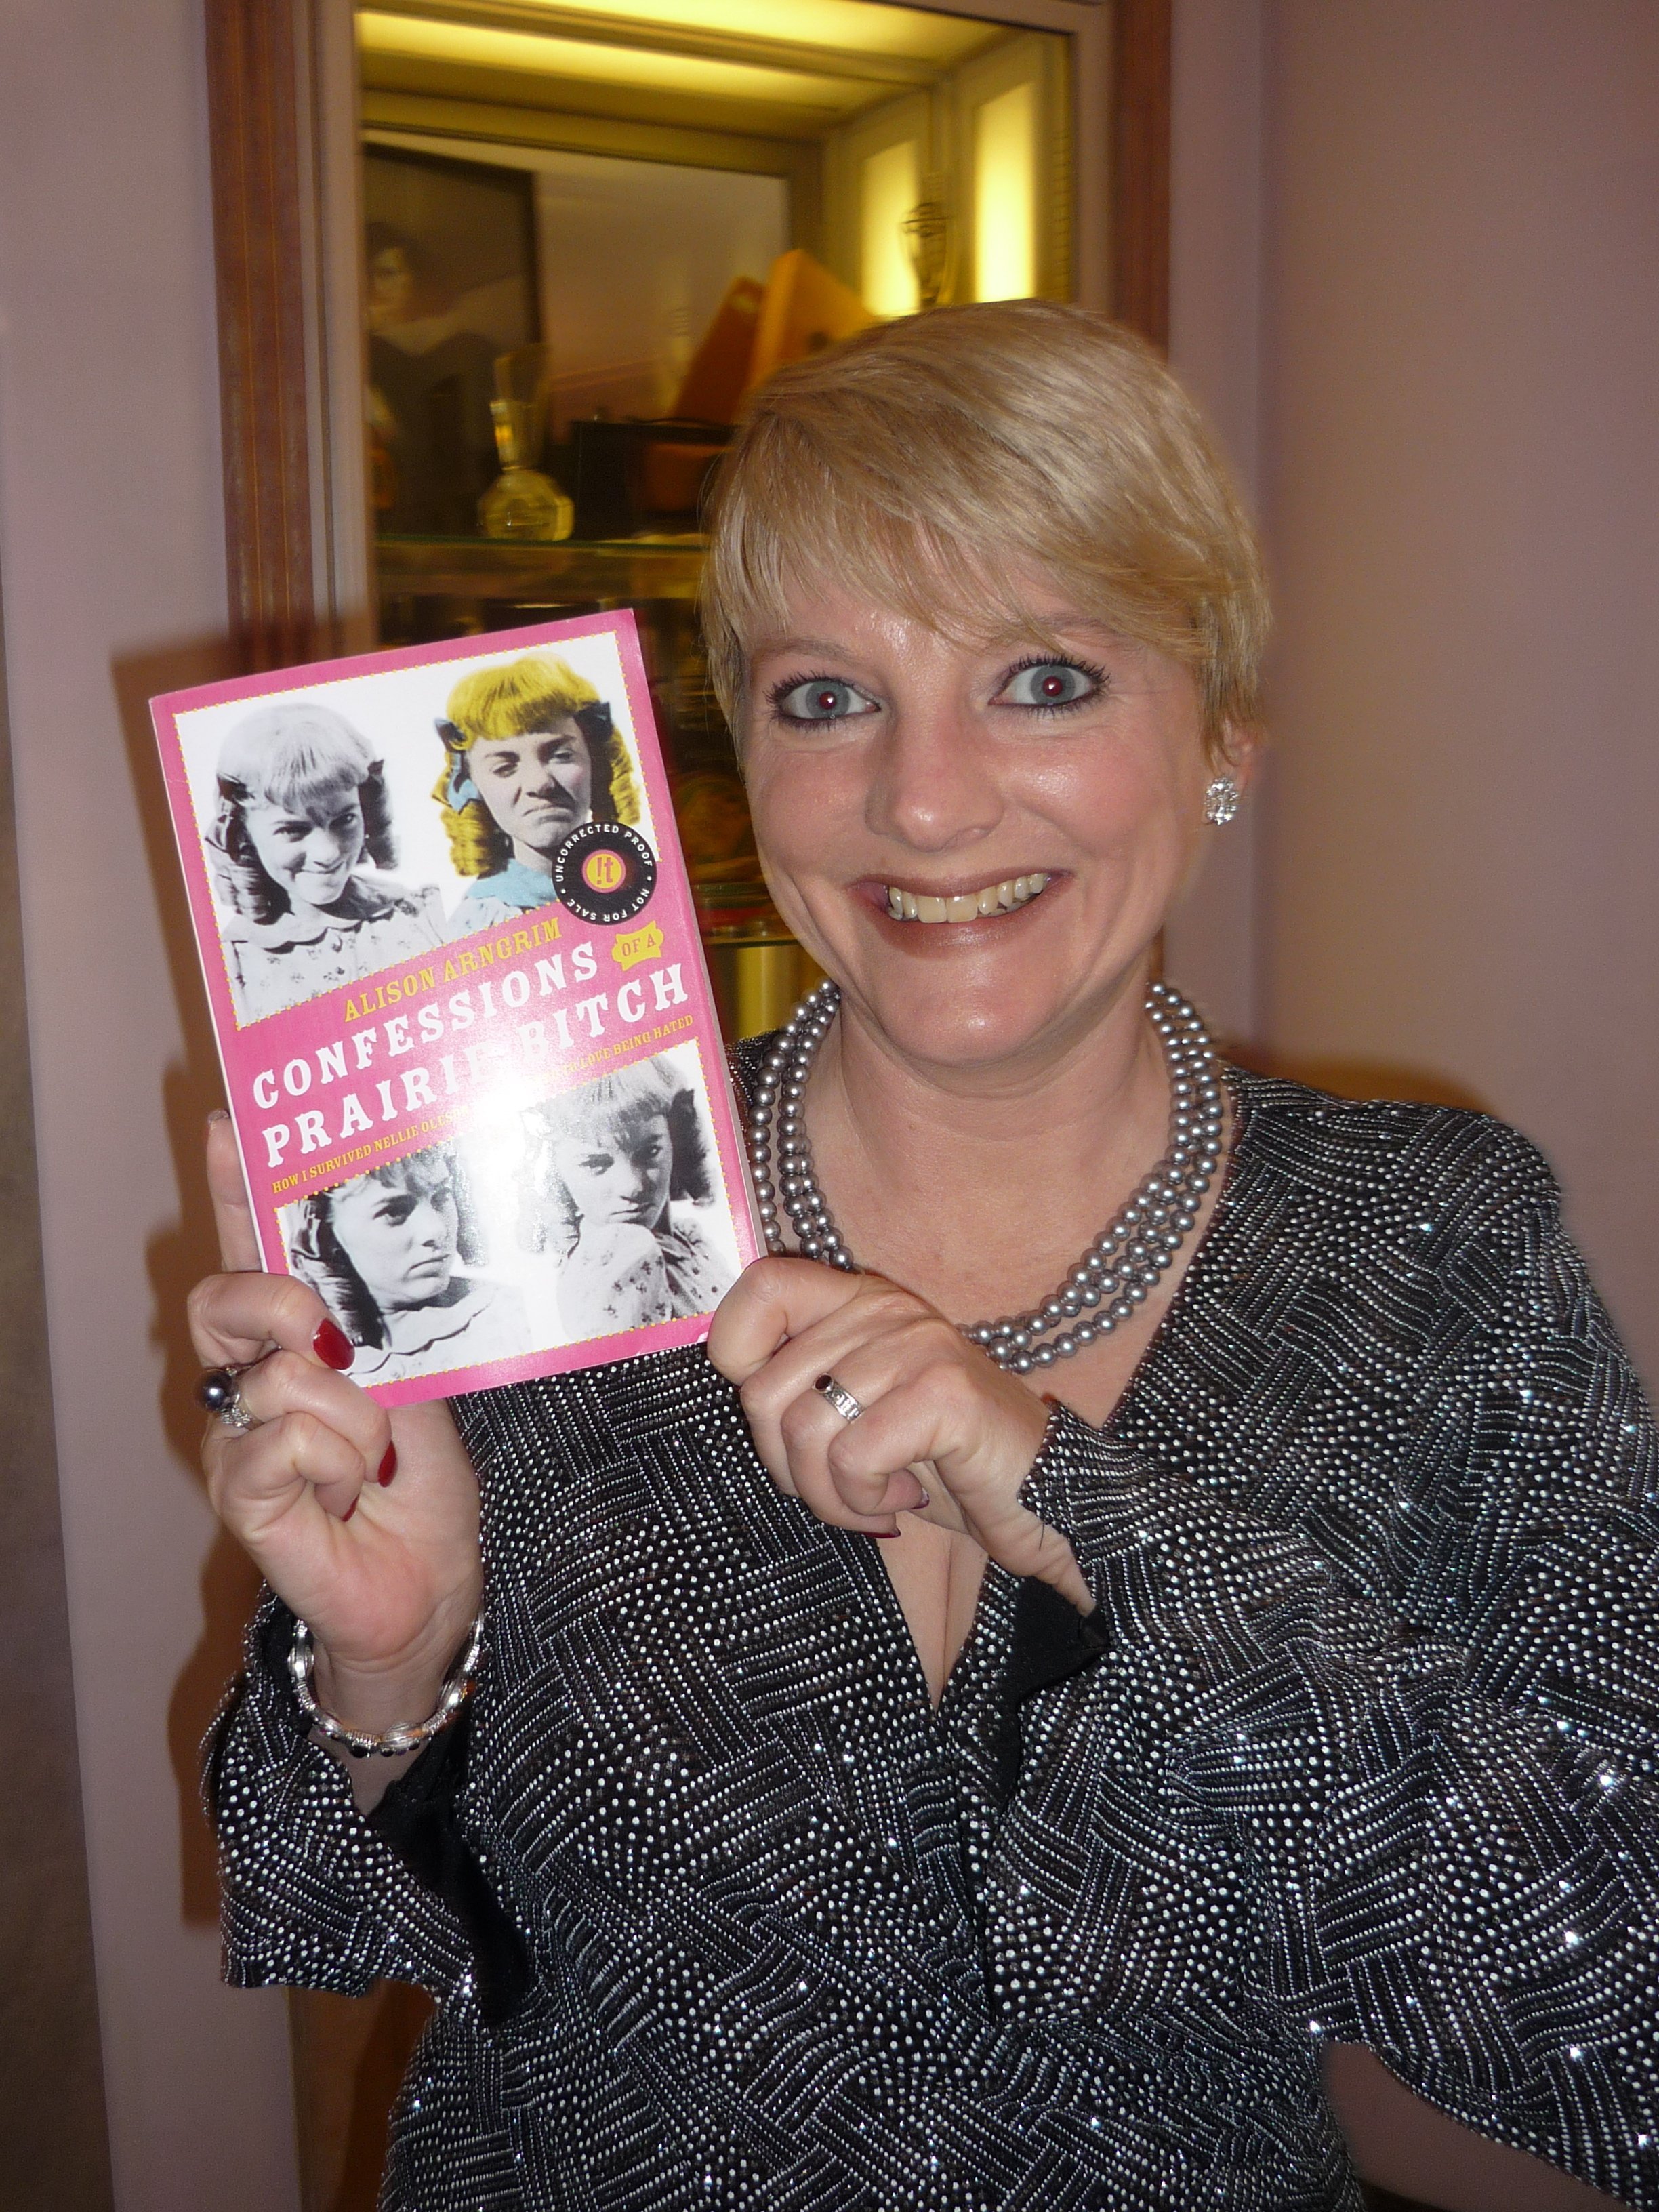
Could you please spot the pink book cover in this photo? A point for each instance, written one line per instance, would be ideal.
(483, 1109)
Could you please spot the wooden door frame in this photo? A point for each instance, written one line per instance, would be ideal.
(281, 75)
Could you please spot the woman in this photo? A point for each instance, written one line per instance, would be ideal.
(384, 1251)
(615, 1172)
(532, 754)
(1257, 1656)
(302, 806)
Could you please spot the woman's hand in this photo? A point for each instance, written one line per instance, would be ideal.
(365, 1522)
(944, 1433)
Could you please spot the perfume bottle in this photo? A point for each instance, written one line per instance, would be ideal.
(522, 503)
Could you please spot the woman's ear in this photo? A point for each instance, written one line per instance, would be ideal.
(1240, 752)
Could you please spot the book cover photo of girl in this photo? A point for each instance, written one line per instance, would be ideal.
(532, 752)
(619, 1187)
(396, 1256)
(300, 833)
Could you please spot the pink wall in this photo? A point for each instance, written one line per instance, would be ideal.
(1461, 476)
(1212, 947)
(112, 546)
(1415, 284)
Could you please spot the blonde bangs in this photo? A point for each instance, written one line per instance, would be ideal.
(935, 465)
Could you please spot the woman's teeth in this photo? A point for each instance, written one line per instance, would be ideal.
(966, 906)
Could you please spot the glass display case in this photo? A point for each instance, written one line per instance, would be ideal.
(440, 588)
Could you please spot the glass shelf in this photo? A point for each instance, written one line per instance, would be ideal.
(617, 571)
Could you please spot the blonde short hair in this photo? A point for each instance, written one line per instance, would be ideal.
(931, 462)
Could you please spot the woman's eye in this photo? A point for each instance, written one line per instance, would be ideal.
(821, 699)
(1050, 683)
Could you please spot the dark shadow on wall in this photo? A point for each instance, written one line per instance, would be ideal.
(349, 2053)
(185, 1249)
(1418, 2150)
(350, 2057)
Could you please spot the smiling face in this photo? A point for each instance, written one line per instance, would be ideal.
(537, 788)
(400, 1241)
(309, 846)
(978, 840)
(619, 1173)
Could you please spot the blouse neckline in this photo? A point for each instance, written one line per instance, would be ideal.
(993, 1598)
(1202, 1261)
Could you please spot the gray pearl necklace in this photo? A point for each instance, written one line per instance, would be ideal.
(1124, 1262)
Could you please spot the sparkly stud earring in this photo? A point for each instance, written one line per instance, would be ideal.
(1221, 801)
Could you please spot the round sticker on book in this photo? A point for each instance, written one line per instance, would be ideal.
(604, 872)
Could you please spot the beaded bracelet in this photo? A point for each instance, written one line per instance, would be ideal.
(404, 1735)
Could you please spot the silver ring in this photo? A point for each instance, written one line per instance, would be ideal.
(843, 1401)
(219, 1393)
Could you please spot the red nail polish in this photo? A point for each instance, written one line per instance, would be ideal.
(349, 1510)
(883, 1536)
(388, 1465)
(332, 1346)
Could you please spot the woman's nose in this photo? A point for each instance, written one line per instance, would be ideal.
(934, 788)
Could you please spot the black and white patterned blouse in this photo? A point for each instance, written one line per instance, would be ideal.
(721, 1913)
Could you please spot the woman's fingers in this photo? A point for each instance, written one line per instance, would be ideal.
(862, 1309)
(787, 1323)
(312, 1429)
(937, 1423)
(285, 1383)
(868, 1501)
(937, 1428)
(234, 1318)
(773, 1300)
(257, 1479)
(797, 1425)
(238, 1245)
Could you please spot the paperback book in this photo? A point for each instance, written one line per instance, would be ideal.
(468, 1044)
